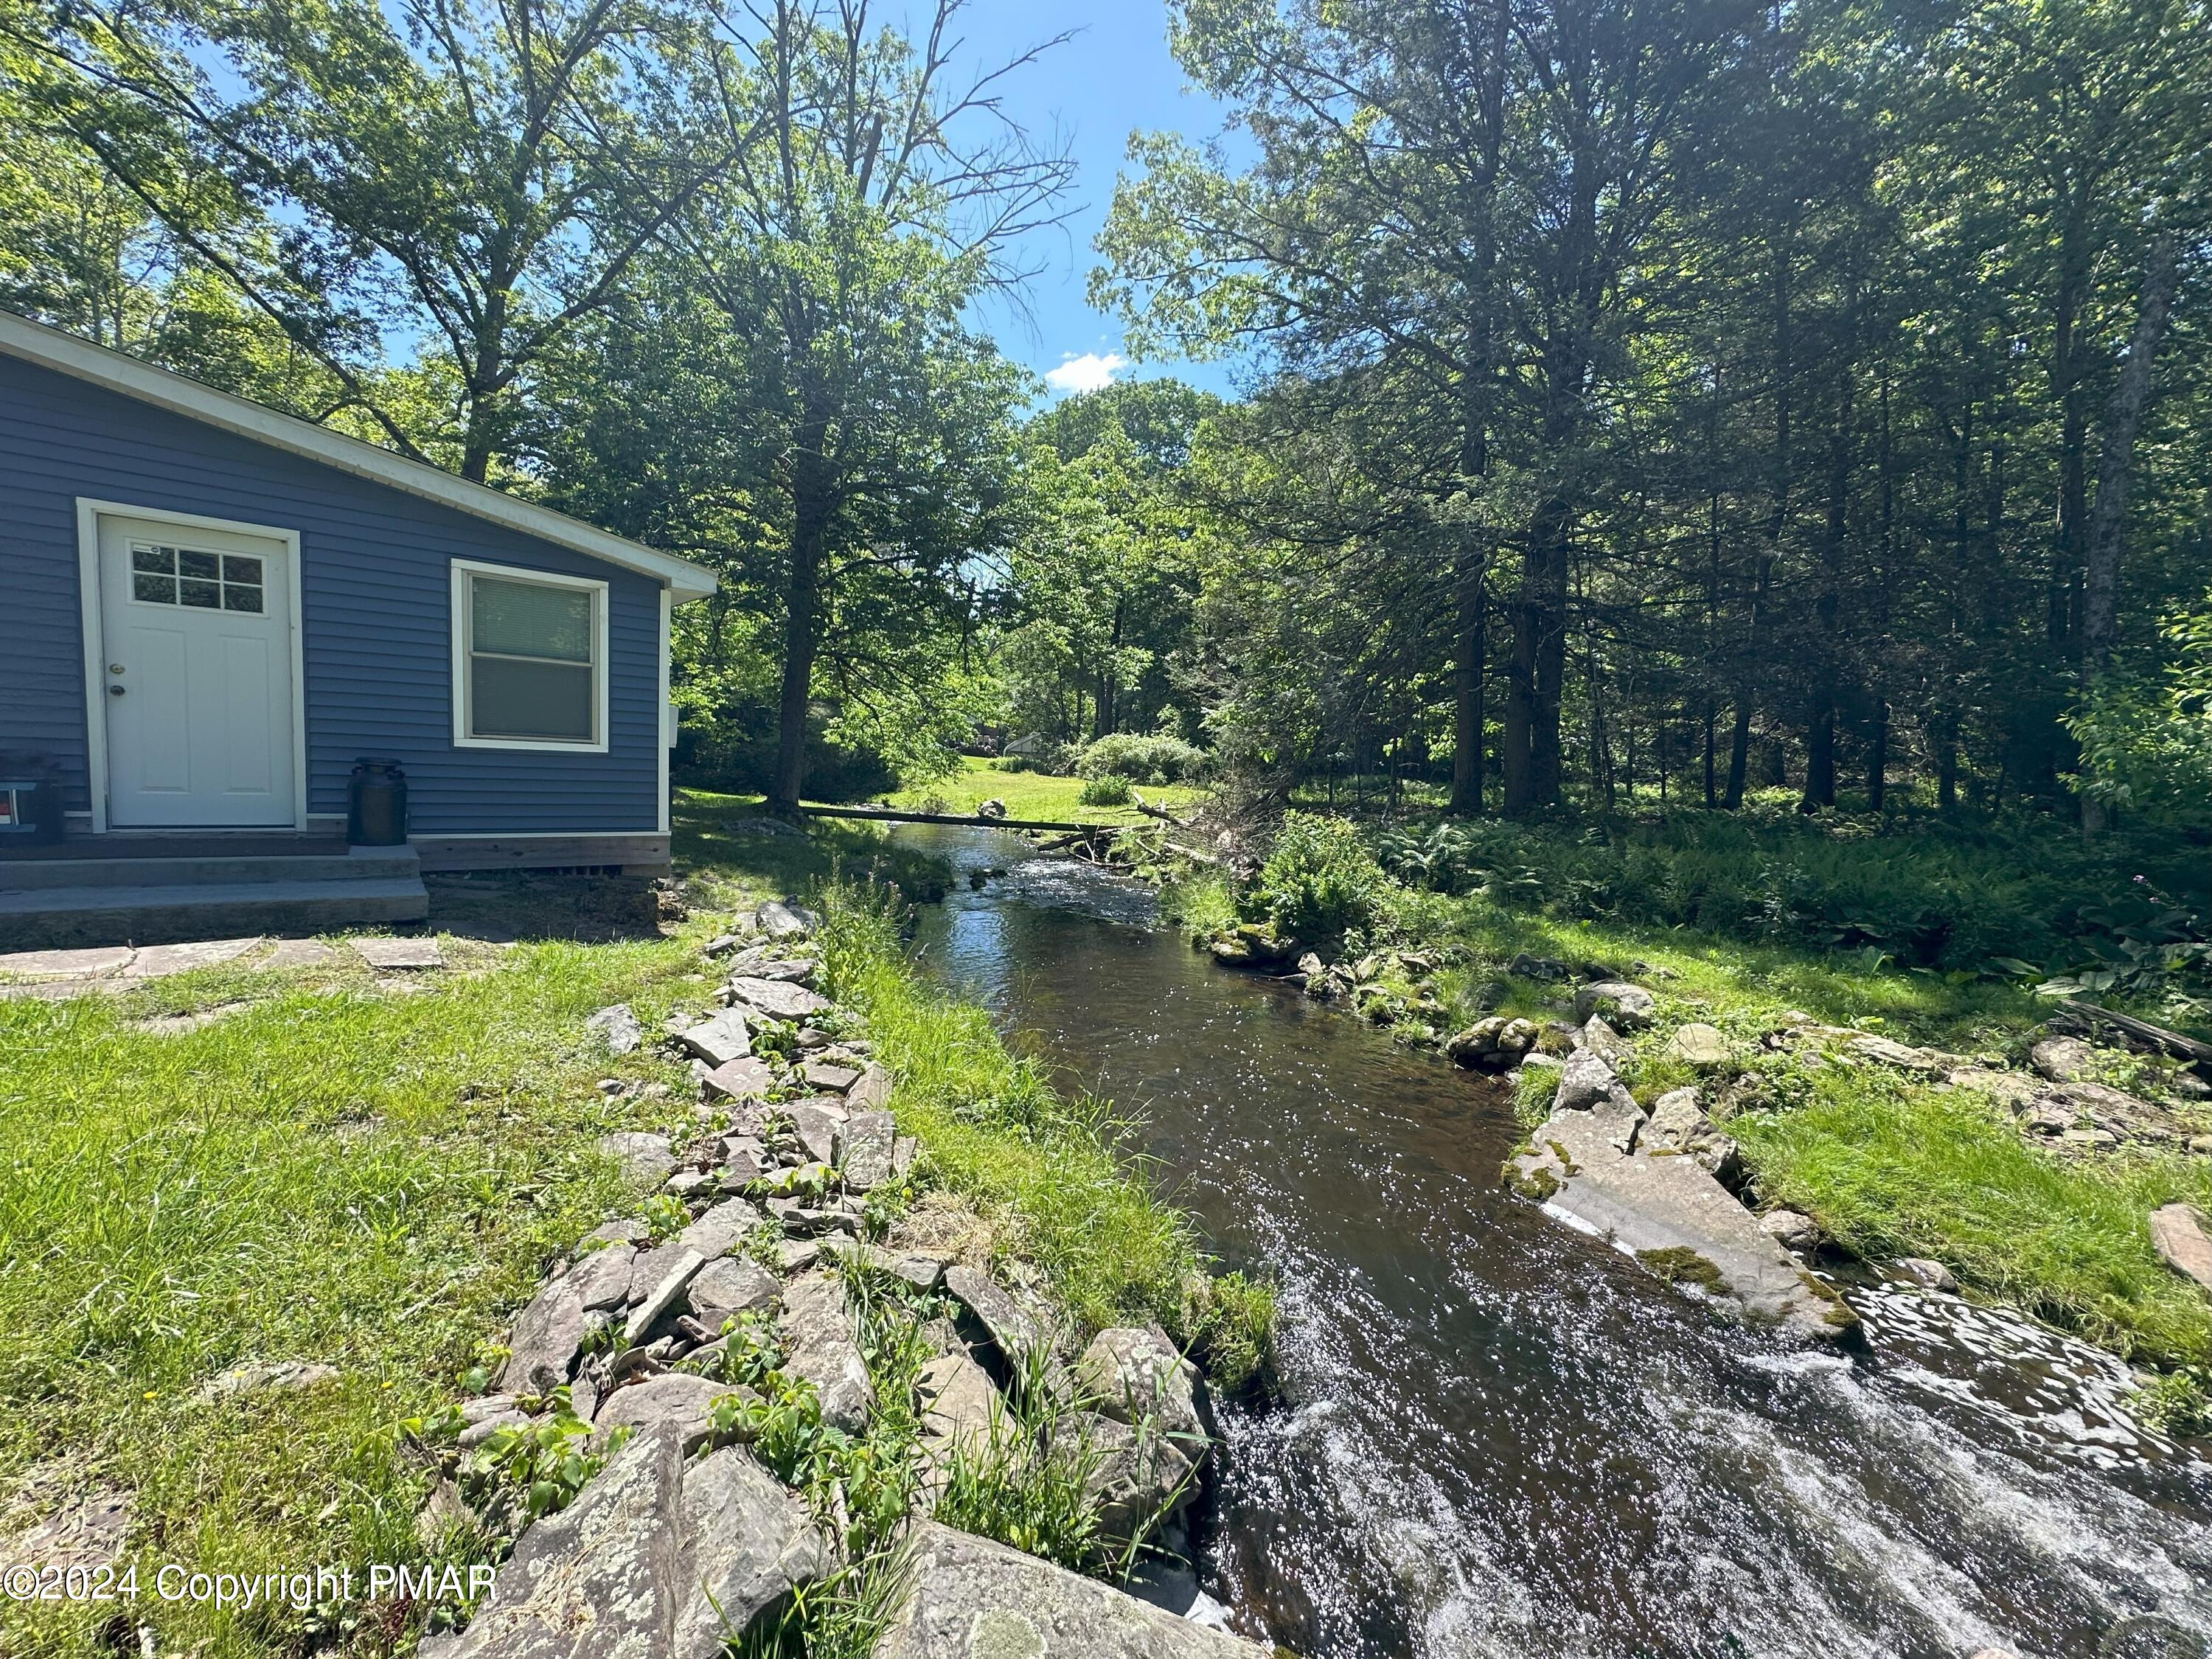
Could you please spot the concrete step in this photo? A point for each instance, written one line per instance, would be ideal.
(55, 917)
(379, 864)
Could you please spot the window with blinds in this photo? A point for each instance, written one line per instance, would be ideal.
(532, 650)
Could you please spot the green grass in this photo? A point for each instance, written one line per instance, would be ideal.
(1035, 795)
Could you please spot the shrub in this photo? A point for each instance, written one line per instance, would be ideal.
(1320, 881)
(1154, 760)
(1110, 789)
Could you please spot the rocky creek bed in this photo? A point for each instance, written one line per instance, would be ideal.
(1499, 1434)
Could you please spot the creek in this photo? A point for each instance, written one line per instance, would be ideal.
(1496, 1436)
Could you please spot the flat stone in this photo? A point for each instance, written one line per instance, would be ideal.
(626, 1230)
(677, 1400)
(618, 1026)
(1903, 1056)
(817, 1130)
(69, 1524)
(1009, 1327)
(541, 1347)
(1698, 1044)
(870, 1138)
(732, 1286)
(1136, 1375)
(1791, 1230)
(796, 1255)
(653, 1561)
(482, 1428)
(829, 1075)
(662, 1298)
(2013, 1089)
(1599, 1038)
(973, 1599)
(602, 1279)
(746, 1077)
(872, 1091)
(959, 1406)
(2062, 1059)
(1924, 1272)
(1585, 1080)
(780, 919)
(824, 1351)
(725, 1037)
(1625, 1007)
(66, 964)
(1136, 1474)
(299, 953)
(387, 953)
(719, 1230)
(904, 1153)
(758, 964)
(646, 1158)
(160, 961)
(1679, 1125)
(2178, 1234)
(778, 998)
(275, 1376)
(744, 1161)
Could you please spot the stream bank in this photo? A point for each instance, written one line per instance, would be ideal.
(1499, 1437)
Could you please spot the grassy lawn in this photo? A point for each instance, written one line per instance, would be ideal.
(372, 1175)
(1035, 795)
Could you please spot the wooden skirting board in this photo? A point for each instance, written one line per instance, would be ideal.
(635, 854)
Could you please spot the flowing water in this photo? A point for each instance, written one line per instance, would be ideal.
(1499, 1438)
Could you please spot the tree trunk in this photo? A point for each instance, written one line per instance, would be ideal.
(1827, 608)
(2124, 417)
(802, 615)
(1468, 666)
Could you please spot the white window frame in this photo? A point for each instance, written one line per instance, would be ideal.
(464, 572)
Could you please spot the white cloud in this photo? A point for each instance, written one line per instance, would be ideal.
(1088, 372)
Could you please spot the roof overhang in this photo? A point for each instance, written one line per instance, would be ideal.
(115, 372)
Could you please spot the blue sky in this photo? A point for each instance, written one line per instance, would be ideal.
(1116, 75)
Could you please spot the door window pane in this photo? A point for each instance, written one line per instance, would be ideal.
(210, 581)
(201, 596)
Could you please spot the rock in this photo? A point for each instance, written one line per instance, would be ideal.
(973, 1599)
(817, 1130)
(1137, 1375)
(721, 945)
(728, 1287)
(992, 808)
(2062, 1059)
(1601, 1039)
(1625, 1007)
(823, 1351)
(780, 919)
(1791, 1230)
(1699, 1045)
(907, 1148)
(389, 954)
(2178, 1234)
(280, 1375)
(1544, 967)
(1011, 1329)
(1136, 1476)
(777, 998)
(829, 1076)
(2012, 1089)
(1890, 1051)
(1925, 1272)
(1585, 1081)
(602, 1279)
(653, 1561)
(796, 1255)
(958, 1405)
(645, 1158)
(689, 1184)
(746, 1077)
(677, 1401)
(618, 1026)
(2200, 1143)
(667, 1291)
(870, 1138)
(1493, 1044)
(625, 1231)
(872, 1093)
(719, 1230)
(718, 1041)
(541, 1347)
(1679, 1125)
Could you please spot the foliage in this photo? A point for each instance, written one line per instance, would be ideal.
(1107, 789)
(1319, 880)
(2177, 1402)
(2147, 742)
(547, 1460)
(1157, 759)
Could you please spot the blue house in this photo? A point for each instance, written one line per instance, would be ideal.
(214, 611)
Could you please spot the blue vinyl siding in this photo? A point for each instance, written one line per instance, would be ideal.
(376, 603)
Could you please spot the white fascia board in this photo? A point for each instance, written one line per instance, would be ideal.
(67, 354)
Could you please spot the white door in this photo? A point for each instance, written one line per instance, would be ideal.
(195, 676)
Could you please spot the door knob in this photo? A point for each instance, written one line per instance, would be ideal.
(115, 690)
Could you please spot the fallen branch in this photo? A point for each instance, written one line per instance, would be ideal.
(1159, 812)
(2173, 1042)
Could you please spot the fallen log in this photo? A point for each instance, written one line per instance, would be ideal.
(2173, 1042)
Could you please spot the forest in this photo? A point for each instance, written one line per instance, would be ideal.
(1643, 405)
